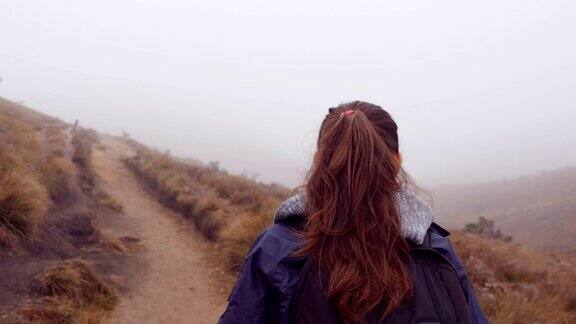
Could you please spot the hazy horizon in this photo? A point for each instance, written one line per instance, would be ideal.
(481, 91)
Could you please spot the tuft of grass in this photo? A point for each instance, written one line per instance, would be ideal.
(75, 281)
(108, 201)
(82, 142)
(69, 292)
(239, 235)
(57, 175)
(55, 139)
(210, 224)
(23, 202)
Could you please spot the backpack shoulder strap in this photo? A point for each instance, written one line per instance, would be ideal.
(427, 242)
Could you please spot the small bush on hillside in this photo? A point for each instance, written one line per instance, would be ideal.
(486, 228)
(23, 201)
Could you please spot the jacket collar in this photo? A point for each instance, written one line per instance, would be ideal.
(415, 214)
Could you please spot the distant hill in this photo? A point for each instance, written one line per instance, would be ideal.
(538, 211)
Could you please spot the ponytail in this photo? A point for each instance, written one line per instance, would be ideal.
(353, 227)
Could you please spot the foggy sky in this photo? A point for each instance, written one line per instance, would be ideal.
(481, 90)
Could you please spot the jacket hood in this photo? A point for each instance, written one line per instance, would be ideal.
(415, 214)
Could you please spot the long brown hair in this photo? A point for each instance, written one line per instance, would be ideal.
(352, 228)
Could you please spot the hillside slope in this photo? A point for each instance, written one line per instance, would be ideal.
(538, 211)
(52, 246)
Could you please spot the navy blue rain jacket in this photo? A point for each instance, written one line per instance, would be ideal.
(269, 275)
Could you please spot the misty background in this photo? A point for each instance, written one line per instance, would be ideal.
(480, 90)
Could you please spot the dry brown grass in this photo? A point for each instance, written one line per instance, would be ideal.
(173, 182)
(19, 140)
(75, 280)
(55, 139)
(239, 235)
(82, 142)
(33, 169)
(108, 201)
(226, 208)
(517, 285)
(27, 178)
(23, 202)
(57, 175)
(25, 115)
(69, 292)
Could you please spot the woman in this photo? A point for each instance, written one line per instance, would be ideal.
(357, 245)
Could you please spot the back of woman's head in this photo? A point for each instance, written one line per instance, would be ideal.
(353, 225)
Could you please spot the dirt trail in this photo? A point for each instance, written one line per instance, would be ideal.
(176, 286)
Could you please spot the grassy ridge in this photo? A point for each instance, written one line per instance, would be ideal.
(36, 176)
(224, 207)
(58, 171)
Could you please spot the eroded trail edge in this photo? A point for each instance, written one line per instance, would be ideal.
(177, 283)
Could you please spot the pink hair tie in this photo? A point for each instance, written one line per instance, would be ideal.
(346, 113)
